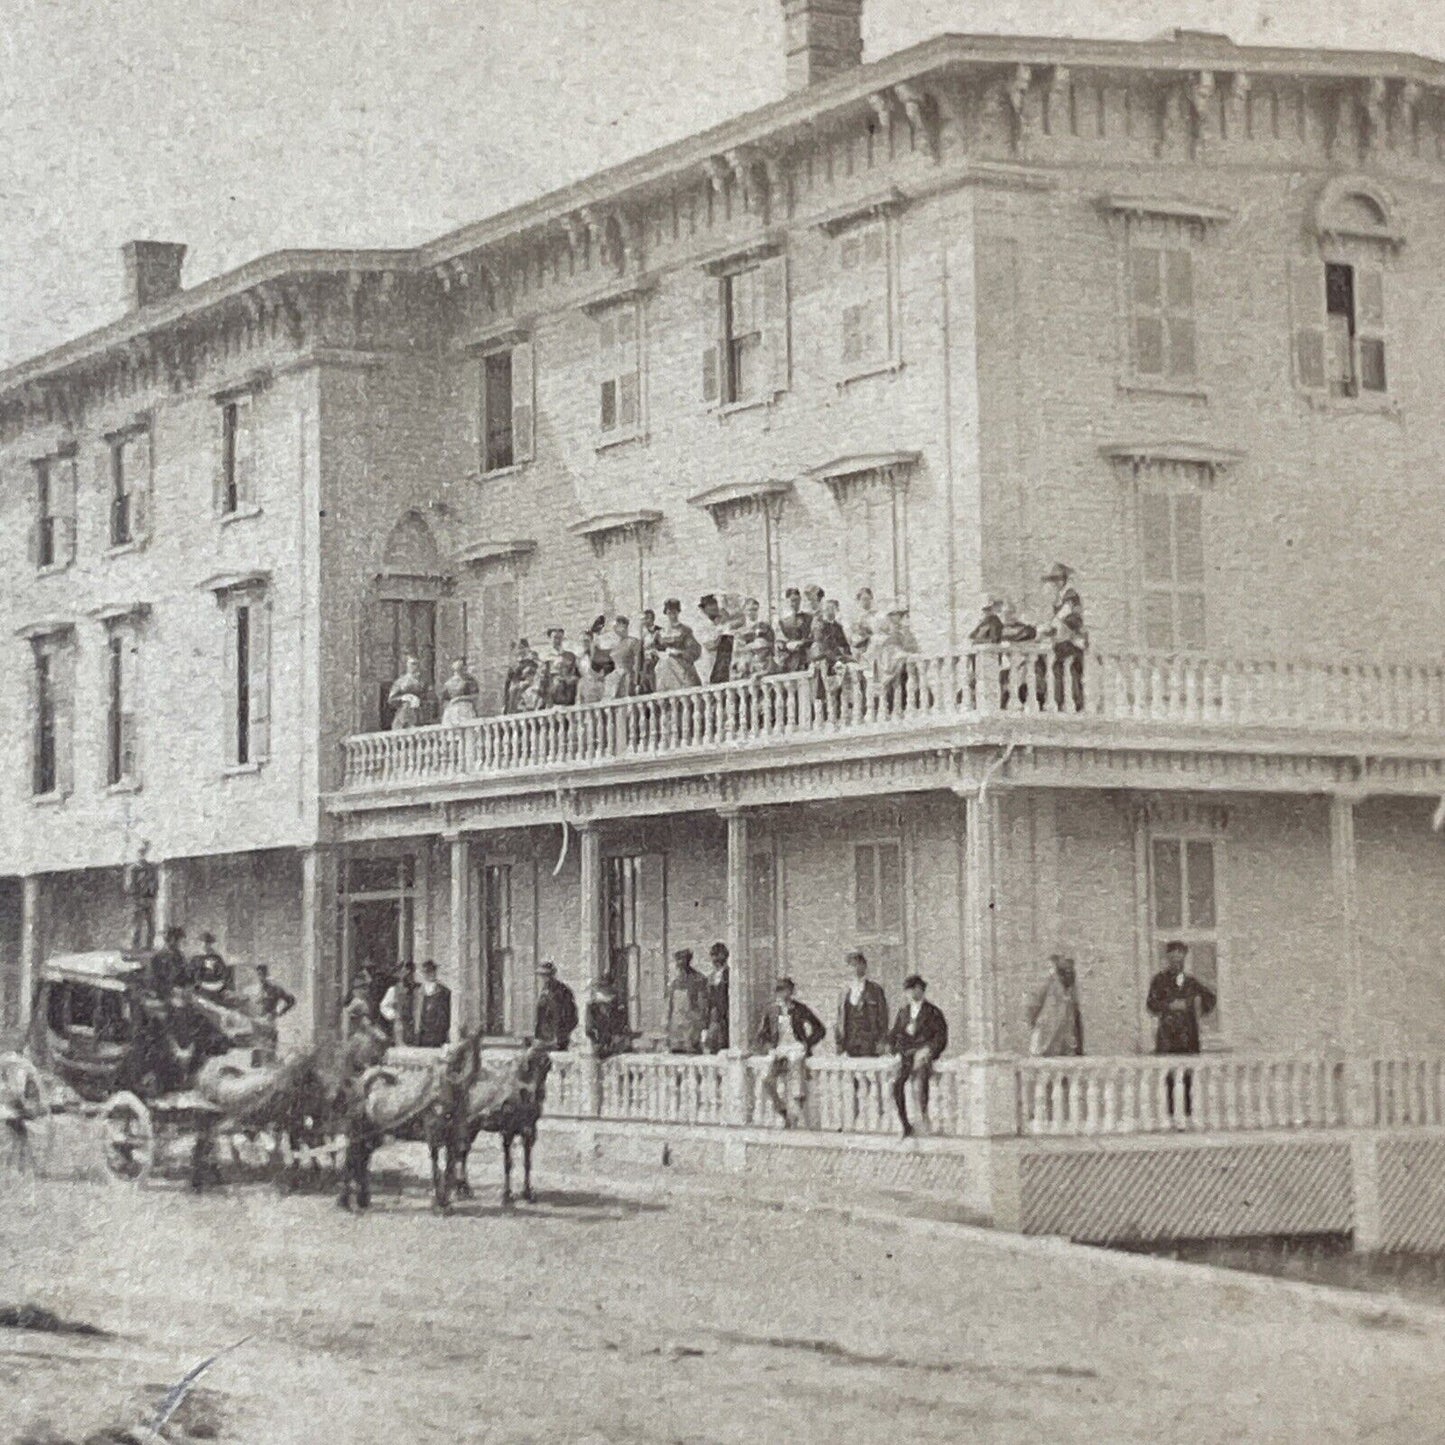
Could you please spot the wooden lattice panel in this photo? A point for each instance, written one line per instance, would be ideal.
(1185, 1192)
(1412, 1194)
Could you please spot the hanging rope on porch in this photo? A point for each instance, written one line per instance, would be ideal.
(562, 856)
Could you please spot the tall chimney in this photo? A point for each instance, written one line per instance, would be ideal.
(821, 38)
(152, 272)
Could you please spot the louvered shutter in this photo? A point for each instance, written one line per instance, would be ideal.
(1370, 327)
(63, 506)
(244, 461)
(712, 353)
(773, 278)
(230, 730)
(62, 673)
(1307, 319)
(523, 402)
(259, 680)
(139, 463)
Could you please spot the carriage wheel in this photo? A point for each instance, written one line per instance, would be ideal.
(256, 1148)
(27, 1130)
(127, 1139)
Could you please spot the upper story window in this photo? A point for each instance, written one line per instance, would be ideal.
(1161, 308)
(507, 407)
(1339, 300)
(868, 330)
(129, 478)
(236, 474)
(52, 532)
(619, 371)
(1171, 545)
(248, 679)
(52, 691)
(747, 361)
(122, 697)
(878, 891)
(1184, 907)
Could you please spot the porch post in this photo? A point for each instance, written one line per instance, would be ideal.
(165, 897)
(321, 962)
(993, 1107)
(467, 981)
(589, 1093)
(32, 934)
(740, 964)
(1352, 1032)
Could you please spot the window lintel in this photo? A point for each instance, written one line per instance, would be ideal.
(1168, 208)
(223, 585)
(634, 289)
(717, 499)
(855, 213)
(738, 258)
(598, 528)
(480, 553)
(1136, 458)
(1332, 223)
(137, 426)
(112, 614)
(488, 343)
(45, 627)
(892, 468)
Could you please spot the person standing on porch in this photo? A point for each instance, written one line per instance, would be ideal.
(865, 621)
(215, 979)
(1065, 629)
(686, 1006)
(170, 969)
(919, 1036)
(626, 652)
(1055, 1023)
(141, 885)
(559, 674)
(715, 1029)
(608, 1026)
(789, 1032)
(862, 1029)
(794, 632)
(556, 1009)
(677, 651)
(398, 1006)
(433, 1009)
(459, 694)
(1178, 1001)
(408, 697)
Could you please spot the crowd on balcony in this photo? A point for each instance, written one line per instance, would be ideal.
(730, 639)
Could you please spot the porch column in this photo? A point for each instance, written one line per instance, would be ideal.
(466, 979)
(980, 937)
(742, 984)
(993, 1105)
(32, 935)
(321, 961)
(593, 965)
(1353, 1031)
(165, 897)
(739, 931)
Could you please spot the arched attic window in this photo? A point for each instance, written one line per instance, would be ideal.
(1340, 294)
(408, 611)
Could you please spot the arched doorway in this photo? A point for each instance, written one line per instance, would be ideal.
(409, 613)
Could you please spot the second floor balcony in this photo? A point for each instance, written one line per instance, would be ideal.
(1015, 694)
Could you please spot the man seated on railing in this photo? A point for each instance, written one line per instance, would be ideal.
(919, 1036)
(789, 1032)
(556, 1017)
(891, 655)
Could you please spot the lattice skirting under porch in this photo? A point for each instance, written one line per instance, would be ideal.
(1412, 1194)
(1187, 1191)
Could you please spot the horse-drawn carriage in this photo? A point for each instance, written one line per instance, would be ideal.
(147, 1070)
(104, 1048)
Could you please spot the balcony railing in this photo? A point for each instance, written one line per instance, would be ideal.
(1341, 696)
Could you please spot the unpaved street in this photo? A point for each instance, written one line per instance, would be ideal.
(621, 1314)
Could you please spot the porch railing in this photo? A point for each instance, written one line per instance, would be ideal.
(1409, 1091)
(1200, 1093)
(1021, 682)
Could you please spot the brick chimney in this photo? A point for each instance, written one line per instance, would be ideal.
(152, 272)
(821, 38)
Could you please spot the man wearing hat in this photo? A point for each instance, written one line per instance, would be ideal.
(433, 1009)
(862, 1013)
(556, 1009)
(169, 968)
(1065, 628)
(789, 1031)
(919, 1036)
(559, 673)
(989, 631)
(214, 977)
(686, 1005)
(608, 1026)
(1178, 1001)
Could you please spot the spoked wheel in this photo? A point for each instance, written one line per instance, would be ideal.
(127, 1139)
(27, 1130)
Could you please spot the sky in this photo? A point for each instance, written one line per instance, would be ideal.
(245, 126)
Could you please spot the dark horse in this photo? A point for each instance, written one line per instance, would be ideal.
(503, 1097)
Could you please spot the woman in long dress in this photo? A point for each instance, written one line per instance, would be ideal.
(596, 663)
(677, 651)
(459, 694)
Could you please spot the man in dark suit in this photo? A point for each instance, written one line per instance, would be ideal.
(789, 1031)
(862, 1014)
(1178, 1000)
(170, 969)
(919, 1036)
(608, 1026)
(715, 1027)
(433, 1009)
(556, 1009)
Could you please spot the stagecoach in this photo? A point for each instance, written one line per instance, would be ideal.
(103, 1048)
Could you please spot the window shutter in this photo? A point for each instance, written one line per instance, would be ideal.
(245, 456)
(628, 417)
(225, 456)
(232, 689)
(1307, 318)
(773, 275)
(32, 541)
(1370, 326)
(259, 680)
(138, 484)
(63, 479)
(711, 370)
(1154, 535)
(62, 673)
(523, 402)
(865, 896)
(712, 355)
(451, 638)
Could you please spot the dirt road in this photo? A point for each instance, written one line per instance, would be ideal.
(627, 1315)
